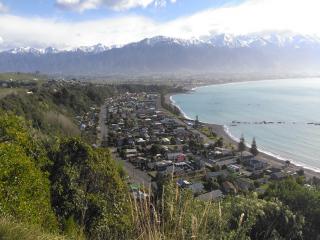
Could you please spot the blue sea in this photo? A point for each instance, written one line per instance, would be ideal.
(283, 115)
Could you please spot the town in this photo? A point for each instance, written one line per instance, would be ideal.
(154, 144)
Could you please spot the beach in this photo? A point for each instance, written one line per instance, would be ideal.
(220, 130)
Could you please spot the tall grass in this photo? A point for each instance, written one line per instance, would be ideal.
(11, 230)
(178, 216)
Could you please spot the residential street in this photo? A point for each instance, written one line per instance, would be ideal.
(135, 175)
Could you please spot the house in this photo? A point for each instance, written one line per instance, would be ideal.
(140, 141)
(183, 183)
(234, 168)
(228, 187)
(130, 153)
(278, 175)
(165, 140)
(211, 196)
(254, 165)
(196, 188)
(246, 155)
(244, 184)
(214, 175)
(173, 170)
(176, 156)
(226, 162)
(222, 152)
(183, 165)
(162, 165)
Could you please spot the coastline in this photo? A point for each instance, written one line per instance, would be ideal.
(221, 131)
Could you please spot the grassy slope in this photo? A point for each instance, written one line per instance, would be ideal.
(22, 77)
(11, 230)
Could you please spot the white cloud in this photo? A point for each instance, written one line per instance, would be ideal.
(39, 32)
(252, 16)
(3, 8)
(118, 5)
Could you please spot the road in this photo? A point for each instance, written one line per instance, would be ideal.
(135, 175)
(103, 133)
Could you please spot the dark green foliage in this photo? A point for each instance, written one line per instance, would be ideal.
(264, 219)
(15, 130)
(236, 218)
(24, 188)
(254, 148)
(86, 185)
(242, 144)
(211, 185)
(219, 142)
(156, 149)
(302, 200)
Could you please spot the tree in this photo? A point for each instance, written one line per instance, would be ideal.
(301, 200)
(219, 142)
(24, 189)
(241, 145)
(210, 185)
(173, 141)
(87, 186)
(266, 219)
(254, 149)
(288, 163)
(155, 149)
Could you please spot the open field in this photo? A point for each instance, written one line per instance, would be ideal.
(6, 91)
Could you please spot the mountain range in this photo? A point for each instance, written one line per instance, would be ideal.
(219, 53)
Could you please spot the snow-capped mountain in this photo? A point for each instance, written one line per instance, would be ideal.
(25, 50)
(162, 40)
(264, 40)
(51, 50)
(263, 52)
(92, 49)
(216, 40)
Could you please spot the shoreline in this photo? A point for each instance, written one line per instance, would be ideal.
(221, 131)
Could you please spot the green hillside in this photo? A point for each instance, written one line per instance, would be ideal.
(55, 184)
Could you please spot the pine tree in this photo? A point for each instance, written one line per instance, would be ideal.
(241, 146)
(254, 149)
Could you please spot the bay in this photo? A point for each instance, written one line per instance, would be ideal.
(283, 115)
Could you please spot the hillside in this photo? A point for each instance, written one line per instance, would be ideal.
(56, 184)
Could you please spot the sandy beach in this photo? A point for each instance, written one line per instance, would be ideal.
(271, 160)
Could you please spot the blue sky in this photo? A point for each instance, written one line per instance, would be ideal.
(66, 24)
(49, 8)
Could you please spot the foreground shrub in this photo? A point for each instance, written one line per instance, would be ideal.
(87, 186)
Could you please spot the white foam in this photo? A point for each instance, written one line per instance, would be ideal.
(277, 156)
(180, 109)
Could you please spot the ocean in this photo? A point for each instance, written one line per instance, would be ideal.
(283, 115)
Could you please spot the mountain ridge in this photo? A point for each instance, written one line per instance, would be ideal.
(268, 52)
(216, 40)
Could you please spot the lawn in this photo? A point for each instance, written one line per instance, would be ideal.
(6, 91)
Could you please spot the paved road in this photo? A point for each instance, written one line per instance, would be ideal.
(135, 175)
(103, 128)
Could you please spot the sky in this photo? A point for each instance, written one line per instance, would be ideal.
(66, 24)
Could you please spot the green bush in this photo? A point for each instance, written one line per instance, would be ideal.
(24, 189)
(86, 185)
